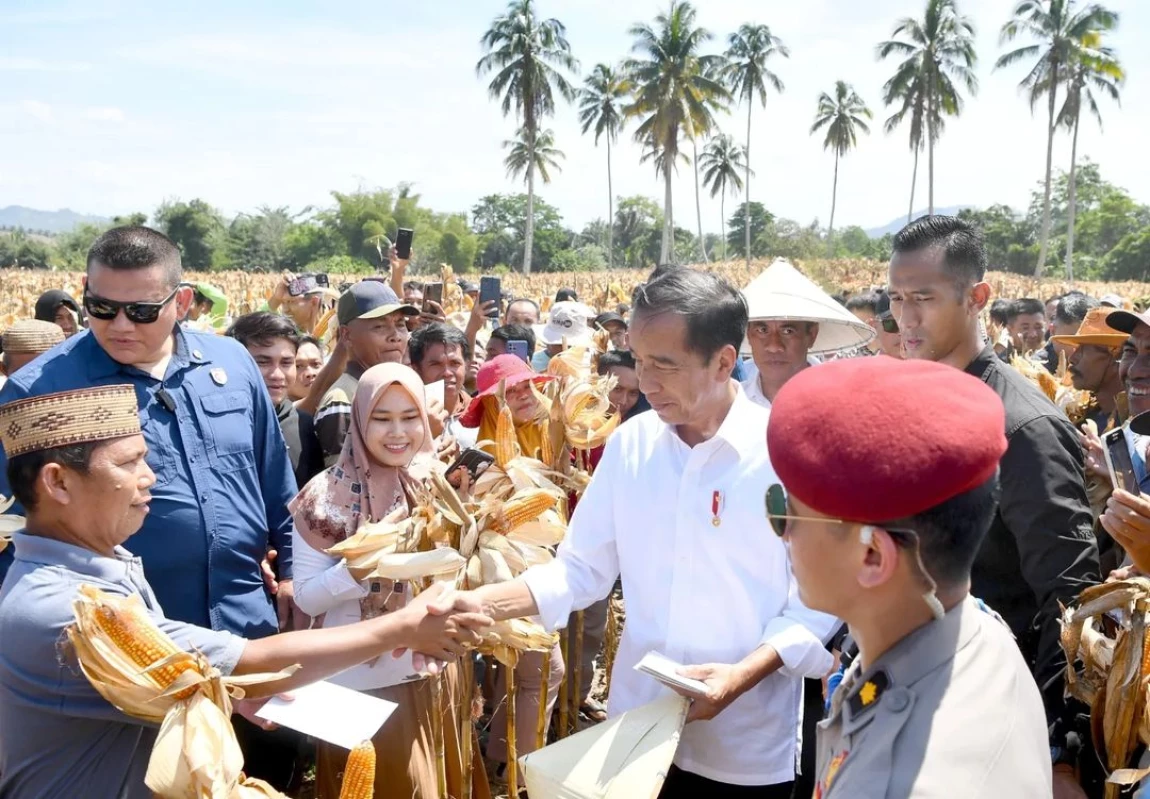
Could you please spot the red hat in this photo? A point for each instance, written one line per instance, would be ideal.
(877, 439)
(511, 370)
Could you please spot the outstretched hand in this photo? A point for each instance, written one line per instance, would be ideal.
(442, 626)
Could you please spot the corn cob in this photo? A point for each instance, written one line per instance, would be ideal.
(143, 643)
(506, 446)
(359, 773)
(320, 329)
(525, 507)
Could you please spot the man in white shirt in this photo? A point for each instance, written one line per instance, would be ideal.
(676, 508)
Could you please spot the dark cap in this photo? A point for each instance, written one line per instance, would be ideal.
(566, 295)
(467, 287)
(370, 299)
(604, 319)
(50, 301)
(1126, 321)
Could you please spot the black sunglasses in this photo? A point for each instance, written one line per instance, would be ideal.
(777, 513)
(140, 313)
(889, 324)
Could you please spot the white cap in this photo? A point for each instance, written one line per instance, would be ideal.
(1113, 300)
(782, 292)
(569, 321)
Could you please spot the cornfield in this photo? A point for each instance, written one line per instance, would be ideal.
(247, 291)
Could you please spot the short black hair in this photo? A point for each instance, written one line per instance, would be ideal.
(715, 312)
(1072, 308)
(615, 358)
(262, 328)
(436, 333)
(951, 533)
(1024, 307)
(199, 298)
(867, 301)
(963, 249)
(136, 247)
(998, 310)
(311, 340)
(566, 295)
(24, 470)
(507, 333)
(528, 300)
(413, 285)
(663, 269)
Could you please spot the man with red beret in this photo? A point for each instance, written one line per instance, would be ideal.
(939, 701)
(1040, 550)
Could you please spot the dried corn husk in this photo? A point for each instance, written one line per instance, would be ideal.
(196, 755)
(1111, 674)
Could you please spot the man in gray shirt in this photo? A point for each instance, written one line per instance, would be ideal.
(77, 466)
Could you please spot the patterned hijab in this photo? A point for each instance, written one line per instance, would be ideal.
(358, 489)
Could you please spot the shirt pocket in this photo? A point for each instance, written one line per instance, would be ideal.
(228, 431)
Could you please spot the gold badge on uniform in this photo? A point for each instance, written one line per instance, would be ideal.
(219, 376)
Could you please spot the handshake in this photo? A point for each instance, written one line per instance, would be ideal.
(440, 624)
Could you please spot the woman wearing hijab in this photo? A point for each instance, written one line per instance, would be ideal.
(58, 307)
(531, 412)
(389, 437)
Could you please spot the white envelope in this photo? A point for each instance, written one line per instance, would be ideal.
(330, 712)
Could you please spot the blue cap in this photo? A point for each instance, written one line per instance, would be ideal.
(370, 299)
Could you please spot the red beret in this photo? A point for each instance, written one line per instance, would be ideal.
(874, 439)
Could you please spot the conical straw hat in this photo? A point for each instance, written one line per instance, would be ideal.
(783, 292)
(626, 757)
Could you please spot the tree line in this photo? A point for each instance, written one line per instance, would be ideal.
(672, 89)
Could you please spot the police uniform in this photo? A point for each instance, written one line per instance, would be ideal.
(951, 710)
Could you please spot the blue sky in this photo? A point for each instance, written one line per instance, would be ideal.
(110, 107)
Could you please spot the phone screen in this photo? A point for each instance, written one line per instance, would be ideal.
(518, 348)
(1121, 465)
(301, 285)
(490, 290)
(432, 292)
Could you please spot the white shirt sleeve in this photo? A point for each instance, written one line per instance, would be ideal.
(799, 635)
(587, 564)
(321, 581)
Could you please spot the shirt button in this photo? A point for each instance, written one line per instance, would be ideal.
(897, 701)
(204, 496)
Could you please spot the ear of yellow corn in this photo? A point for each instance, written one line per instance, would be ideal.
(143, 643)
(359, 773)
(320, 329)
(525, 507)
(506, 445)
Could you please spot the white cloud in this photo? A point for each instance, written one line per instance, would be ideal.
(104, 114)
(37, 110)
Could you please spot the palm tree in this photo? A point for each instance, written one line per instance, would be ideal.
(913, 105)
(843, 116)
(673, 92)
(747, 53)
(1092, 66)
(701, 127)
(601, 107)
(723, 160)
(527, 56)
(523, 158)
(1058, 28)
(937, 52)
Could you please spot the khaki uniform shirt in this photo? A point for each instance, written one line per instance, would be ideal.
(950, 711)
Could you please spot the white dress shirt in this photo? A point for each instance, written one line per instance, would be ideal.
(324, 587)
(754, 388)
(697, 592)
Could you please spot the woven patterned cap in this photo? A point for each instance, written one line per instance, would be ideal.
(68, 417)
(32, 335)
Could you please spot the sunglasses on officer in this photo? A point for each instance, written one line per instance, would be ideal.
(778, 513)
(139, 313)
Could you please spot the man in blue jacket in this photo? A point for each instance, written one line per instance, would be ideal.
(223, 476)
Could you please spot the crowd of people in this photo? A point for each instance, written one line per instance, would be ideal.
(854, 519)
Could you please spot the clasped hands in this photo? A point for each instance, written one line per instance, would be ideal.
(441, 625)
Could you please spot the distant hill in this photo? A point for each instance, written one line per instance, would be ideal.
(52, 221)
(895, 225)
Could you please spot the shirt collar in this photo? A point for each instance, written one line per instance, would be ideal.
(50, 552)
(735, 425)
(101, 364)
(982, 363)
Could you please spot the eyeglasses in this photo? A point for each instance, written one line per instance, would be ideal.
(139, 313)
(777, 507)
(889, 324)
